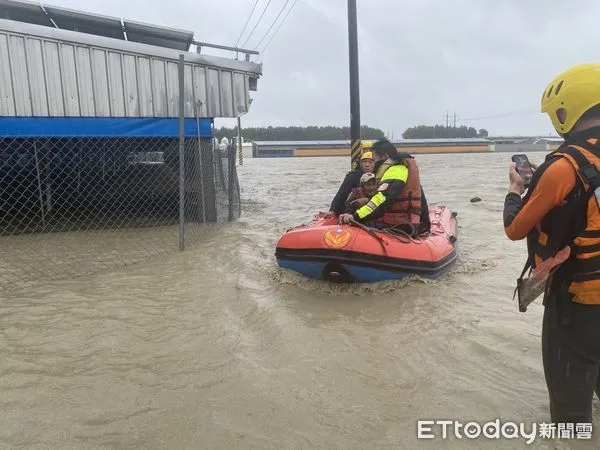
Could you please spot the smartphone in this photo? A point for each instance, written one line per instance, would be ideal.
(523, 168)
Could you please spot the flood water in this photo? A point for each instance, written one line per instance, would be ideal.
(217, 348)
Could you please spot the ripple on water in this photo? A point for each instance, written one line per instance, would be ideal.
(217, 345)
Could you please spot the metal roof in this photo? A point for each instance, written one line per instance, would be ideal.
(128, 47)
(99, 25)
(442, 140)
(553, 139)
(301, 142)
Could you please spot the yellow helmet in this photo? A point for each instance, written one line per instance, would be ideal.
(366, 155)
(570, 95)
(367, 145)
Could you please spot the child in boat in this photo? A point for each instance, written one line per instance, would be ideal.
(360, 196)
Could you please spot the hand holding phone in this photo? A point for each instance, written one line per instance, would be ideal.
(524, 168)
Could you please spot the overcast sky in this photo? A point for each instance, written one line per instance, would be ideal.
(483, 59)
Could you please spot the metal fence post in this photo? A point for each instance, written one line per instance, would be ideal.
(239, 141)
(181, 154)
(230, 171)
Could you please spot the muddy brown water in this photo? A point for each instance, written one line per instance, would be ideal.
(218, 348)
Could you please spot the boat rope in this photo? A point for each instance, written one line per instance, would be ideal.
(371, 233)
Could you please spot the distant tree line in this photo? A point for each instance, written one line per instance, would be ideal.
(310, 133)
(441, 131)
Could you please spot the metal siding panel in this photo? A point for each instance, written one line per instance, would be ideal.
(101, 93)
(173, 89)
(18, 66)
(56, 102)
(189, 92)
(159, 88)
(226, 94)
(7, 100)
(37, 83)
(131, 93)
(212, 88)
(85, 82)
(200, 91)
(145, 86)
(47, 78)
(69, 79)
(240, 105)
(115, 79)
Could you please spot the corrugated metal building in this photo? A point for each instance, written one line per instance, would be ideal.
(56, 62)
(262, 149)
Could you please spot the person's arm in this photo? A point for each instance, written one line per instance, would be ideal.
(349, 207)
(338, 203)
(555, 183)
(392, 183)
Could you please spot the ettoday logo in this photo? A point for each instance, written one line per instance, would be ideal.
(431, 429)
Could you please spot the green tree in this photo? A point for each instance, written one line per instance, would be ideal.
(441, 131)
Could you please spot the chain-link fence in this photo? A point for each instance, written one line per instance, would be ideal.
(74, 206)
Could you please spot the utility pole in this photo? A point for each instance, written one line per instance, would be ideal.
(354, 90)
(454, 119)
(447, 117)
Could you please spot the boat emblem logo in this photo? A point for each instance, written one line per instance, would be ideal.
(338, 239)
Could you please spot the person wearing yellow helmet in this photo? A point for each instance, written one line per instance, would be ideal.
(560, 215)
(352, 180)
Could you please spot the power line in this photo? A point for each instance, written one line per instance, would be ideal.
(496, 116)
(277, 29)
(255, 25)
(280, 11)
(247, 22)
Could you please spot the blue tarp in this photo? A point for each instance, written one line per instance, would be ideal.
(60, 127)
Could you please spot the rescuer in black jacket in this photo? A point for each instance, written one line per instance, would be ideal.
(352, 180)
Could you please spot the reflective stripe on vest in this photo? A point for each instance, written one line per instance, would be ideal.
(406, 209)
(375, 201)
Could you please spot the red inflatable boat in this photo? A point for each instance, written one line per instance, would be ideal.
(348, 253)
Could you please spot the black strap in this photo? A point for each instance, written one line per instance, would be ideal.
(592, 234)
(542, 251)
(582, 250)
(588, 171)
(581, 277)
(586, 265)
(528, 266)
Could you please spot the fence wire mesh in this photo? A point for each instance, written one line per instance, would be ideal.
(71, 207)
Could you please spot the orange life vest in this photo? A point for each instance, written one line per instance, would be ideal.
(407, 208)
(575, 223)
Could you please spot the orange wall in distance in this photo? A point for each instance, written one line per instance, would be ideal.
(415, 150)
(322, 152)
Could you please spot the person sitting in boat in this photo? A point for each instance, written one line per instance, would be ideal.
(400, 201)
(360, 196)
(352, 180)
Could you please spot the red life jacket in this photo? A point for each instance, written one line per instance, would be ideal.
(407, 208)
